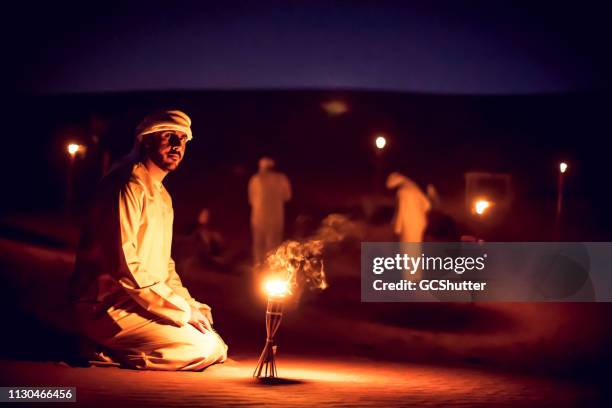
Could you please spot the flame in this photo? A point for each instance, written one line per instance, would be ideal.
(298, 264)
(381, 142)
(481, 206)
(276, 288)
(73, 148)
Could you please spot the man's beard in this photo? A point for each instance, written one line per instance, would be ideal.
(164, 162)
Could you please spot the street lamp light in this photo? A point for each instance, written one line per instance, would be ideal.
(380, 142)
(481, 206)
(562, 170)
(73, 149)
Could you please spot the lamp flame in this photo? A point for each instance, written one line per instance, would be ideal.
(276, 288)
(563, 167)
(73, 148)
(481, 206)
(381, 142)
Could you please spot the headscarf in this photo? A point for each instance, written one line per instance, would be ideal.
(164, 120)
(396, 180)
(156, 122)
(266, 163)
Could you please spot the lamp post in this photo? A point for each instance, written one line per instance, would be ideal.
(276, 290)
(380, 143)
(562, 169)
(481, 206)
(73, 149)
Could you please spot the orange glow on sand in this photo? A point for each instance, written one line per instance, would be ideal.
(325, 381)
(302, 370)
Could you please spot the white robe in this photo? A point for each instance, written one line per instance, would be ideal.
(135, 304)
(411, 221)
(268, 193)
(411, 216)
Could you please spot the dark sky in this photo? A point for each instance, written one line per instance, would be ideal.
(473, 47)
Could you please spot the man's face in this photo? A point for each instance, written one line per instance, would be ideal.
(166, 149)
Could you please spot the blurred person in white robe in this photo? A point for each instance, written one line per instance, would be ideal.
(268, 191)
(410, 219)
(129, 298)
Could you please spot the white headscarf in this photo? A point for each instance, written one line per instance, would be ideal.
(156, 122)
(396, 180)
(165, 120)
(266, 163)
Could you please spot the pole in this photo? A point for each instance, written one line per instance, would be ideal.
(378, 172)
(70, 184)
(559, 206)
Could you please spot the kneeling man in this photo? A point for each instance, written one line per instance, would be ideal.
(131, 300)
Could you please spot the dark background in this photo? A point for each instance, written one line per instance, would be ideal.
(476, 47)
(331, 159)
(482, 86)
(510, 87)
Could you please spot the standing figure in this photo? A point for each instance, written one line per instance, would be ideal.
(269, 190)
(410, 219)
(412, 207)
(129, 298)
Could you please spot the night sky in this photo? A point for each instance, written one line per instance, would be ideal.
(475, 47)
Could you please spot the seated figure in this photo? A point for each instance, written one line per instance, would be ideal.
(128, 295)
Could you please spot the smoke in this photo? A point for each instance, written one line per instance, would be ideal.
(337, 227)
(300, 264)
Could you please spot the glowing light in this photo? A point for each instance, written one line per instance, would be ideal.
(481, 206)
(381, 142)
(335, 107)
(73, 148)
(563, 167)
(276, 288)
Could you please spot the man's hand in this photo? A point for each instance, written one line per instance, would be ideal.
(208, 314)
(200, 321)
